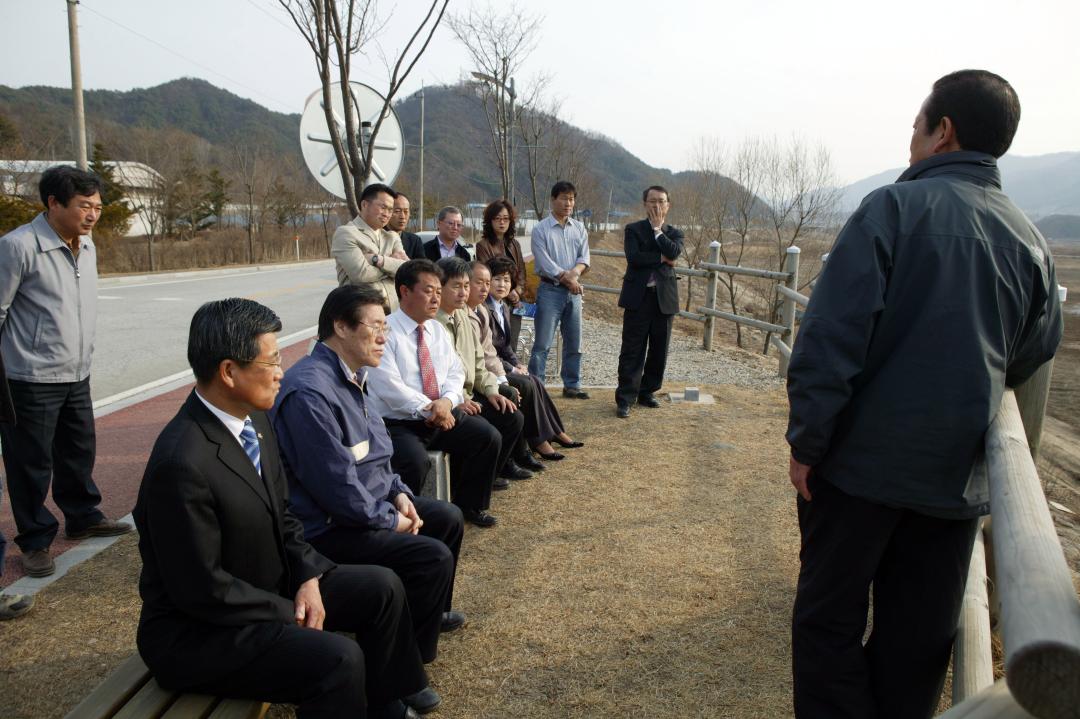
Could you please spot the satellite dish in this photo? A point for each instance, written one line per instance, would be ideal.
(316, 145)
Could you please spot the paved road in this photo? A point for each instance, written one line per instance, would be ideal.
(143, 320)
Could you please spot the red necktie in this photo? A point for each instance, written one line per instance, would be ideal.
(427, 367)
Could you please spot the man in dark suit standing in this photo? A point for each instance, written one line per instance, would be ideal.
(399, 220)
(447, 244)
(649, 298)
(234, 599)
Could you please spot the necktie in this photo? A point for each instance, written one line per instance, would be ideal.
(427, 367)
(250, 441)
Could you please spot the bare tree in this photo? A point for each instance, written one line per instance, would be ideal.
(499, 40)
(336, 30)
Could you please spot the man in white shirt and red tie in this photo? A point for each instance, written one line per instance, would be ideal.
(417, 391)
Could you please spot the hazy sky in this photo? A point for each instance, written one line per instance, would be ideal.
(654, 76)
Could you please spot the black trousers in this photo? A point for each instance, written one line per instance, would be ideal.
(425, 563)
(509, 426)
(52, 442)
(646, 333)
(918, 567)
(473, 445)
(331, 676)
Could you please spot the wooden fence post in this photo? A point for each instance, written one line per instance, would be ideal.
(973, 669)
(787, 313)
(710, 295)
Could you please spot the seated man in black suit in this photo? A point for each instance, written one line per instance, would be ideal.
(354, 507)
(399, 220)
(447, 244)
(234, 599)
(417, 390)
(650, 299)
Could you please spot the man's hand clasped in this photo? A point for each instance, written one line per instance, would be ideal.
(441, 414)
(408, 521)
(308, 606)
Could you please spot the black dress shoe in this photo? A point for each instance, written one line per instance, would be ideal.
(452, 621)
(568, 445)
(423, 701)
(647, 400)
(511, 470)
(550, 456)
(622, 411)
(500, 483)
(574, 393)
(528, 462)
(479, 517)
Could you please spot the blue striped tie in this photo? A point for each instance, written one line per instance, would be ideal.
(251, 444)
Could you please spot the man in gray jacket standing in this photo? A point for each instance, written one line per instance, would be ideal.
(48, 306)
(938, 294)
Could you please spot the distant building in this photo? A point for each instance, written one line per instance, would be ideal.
(20, 178)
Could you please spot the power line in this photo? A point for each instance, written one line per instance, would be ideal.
(196, 63)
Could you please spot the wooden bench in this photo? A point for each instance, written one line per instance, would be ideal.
(131, 693)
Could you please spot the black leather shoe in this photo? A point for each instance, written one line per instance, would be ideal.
(423, 701)
(500, 483)
(647, 400)
(550, 456)
(529, 463)
(452, 621)
(573, 393)
(622, 411)
(568, 445)
(479, 517)
(510, 470)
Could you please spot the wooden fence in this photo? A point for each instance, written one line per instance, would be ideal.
(781, 336)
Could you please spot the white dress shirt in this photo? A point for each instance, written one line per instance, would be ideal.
(396, 388)
(235, 425)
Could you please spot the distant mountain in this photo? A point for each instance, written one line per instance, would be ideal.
(1040, 185)
(458, 160)
(1060, 227)
(192, 105)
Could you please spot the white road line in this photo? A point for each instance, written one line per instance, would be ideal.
(109, 297)
(198, 279)
(169, 299)
(186, 375)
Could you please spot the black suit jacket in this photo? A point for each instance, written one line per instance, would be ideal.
(431, 250)
(222, 556)
(414, 246)
(643, 258)
(500, 340)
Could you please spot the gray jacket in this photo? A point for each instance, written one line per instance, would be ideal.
(937, 295)
(48, 305)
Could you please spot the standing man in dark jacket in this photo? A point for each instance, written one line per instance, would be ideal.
(399, 220)
(938, 294)
(649, 298)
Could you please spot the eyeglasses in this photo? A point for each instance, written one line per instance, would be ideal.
(264, 362)
(379, 330)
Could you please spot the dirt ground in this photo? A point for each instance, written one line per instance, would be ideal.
(647, 583)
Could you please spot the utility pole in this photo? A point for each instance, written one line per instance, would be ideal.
(421, 157)
(507, 142)
(76, 85)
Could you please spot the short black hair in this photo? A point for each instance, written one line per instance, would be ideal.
(563, 186)
(655, 188)
(408, 274)
(453, 267)
(227, 329)
(343, 305)
(375, 189)
(64, 182)
(502, 266)
(983, 107)
(399, 193)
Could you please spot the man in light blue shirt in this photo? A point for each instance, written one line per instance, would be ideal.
(560, 247)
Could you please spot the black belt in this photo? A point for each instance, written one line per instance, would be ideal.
(548, 280)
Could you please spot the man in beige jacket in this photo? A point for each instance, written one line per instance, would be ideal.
(363, 251)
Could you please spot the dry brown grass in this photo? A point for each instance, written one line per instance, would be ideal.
(649, 574)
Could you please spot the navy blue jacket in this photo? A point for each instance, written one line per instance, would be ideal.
(335, 451)
(938, 293)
